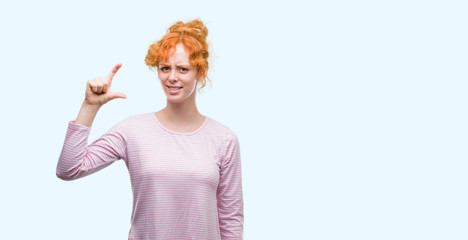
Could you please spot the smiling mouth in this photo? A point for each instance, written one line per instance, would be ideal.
(174, 88)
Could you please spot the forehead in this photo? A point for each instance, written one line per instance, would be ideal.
(179, 56)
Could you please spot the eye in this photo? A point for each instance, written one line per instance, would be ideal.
(164, 68)
(184, 69)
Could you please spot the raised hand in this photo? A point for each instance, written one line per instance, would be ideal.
(98, 90)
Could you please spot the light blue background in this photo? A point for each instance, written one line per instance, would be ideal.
(351, 115)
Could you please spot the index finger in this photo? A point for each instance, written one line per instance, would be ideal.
(113, 72)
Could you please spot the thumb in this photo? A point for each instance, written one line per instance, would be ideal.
(116, 95)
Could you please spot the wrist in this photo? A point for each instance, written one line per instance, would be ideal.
(90, 106)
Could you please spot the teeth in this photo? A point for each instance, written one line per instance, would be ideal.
(174, 88)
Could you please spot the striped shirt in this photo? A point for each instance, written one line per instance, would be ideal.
(186, 185)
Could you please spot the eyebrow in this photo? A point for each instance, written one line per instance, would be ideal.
(177, 65)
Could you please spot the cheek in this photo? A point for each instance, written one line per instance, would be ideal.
(163, 78)
(194, 86)
(192, 82)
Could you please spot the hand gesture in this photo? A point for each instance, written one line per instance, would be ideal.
(98, 89)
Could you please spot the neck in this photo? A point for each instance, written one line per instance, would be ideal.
(181, 113)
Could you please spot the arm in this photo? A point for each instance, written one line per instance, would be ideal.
(229, 194)
(78, 159)
(87, 114)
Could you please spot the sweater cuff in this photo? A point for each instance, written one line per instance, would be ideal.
(78, 127)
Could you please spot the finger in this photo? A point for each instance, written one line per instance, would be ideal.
(105, 87)
(93, 85)
(116, 95)
(99, 88)
(113, 72)
(102, 84)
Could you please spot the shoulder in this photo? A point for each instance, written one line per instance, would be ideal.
(140, 118)
(224, 131)
(131, 121)
(227, 137)
(229, 146)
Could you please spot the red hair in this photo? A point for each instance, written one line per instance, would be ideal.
(193, 36)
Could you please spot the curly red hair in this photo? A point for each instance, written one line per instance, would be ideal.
(193, 36)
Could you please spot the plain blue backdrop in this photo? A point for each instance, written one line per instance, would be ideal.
(351, 115)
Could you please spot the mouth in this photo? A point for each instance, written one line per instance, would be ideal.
(174, 90)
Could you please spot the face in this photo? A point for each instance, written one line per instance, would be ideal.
(178, 78)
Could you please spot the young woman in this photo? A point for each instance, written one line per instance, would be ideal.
(185, 168)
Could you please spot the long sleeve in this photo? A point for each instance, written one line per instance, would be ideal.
(229, 193)
(77, 159)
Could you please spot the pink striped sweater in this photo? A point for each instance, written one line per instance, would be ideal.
(185, 185)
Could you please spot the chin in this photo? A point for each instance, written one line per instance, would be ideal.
(174, 100)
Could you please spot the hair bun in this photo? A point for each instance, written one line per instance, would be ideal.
(195, 28)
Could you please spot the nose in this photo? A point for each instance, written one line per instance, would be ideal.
(173, 76)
